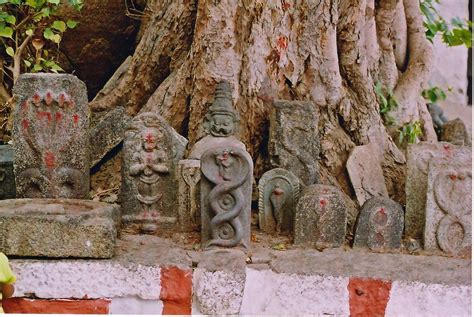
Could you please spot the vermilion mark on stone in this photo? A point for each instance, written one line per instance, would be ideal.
(368, 297)
(55, 306)
(36, 98)
(76, 118)
(176, 291)
(282, 42)
(24, 106)
(44, 114)
(59, 115)
(453, 177)
(149, 138)
(25, 124)
(48, 97)
(49, 160)
(286, 5)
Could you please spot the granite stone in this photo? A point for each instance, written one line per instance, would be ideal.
(294, 139)
(50, 134)
(321, 217)
(188, 175)
(279, 191)
(380, 225)
(58, 228)
(455, 132)
(7, 178)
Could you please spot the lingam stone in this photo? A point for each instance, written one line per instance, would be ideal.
(226, 191)
(7, 178)
(321, 217)
(58, 228)
(379, 225)
(279, 190)
(294, 139)
(188, 174)
(418, 156)
(365, 172)
(455, 132)
(151, 151)
(448, 224)
(220, 123)
(50, 133)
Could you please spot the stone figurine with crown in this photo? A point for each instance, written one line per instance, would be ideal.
(226, 176)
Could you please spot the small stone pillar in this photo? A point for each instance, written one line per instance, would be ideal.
(50, 134)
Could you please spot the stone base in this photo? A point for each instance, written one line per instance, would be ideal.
(58, 228)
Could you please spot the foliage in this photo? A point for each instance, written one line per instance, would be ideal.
(35, 22)
(410, 132)
(455, 33)
(387, 102)
(433, 94)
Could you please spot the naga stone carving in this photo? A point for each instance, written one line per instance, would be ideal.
(379, 225)
(7, 178)
(188, 175)
(366, 173)
(294, 140)
(448, 225)
(279, 190)
(51, 137)
(226, 190)
(220, 123)
(321, 217)
(151, 152)
(418, 156)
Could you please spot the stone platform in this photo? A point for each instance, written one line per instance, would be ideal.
(58, 228)
(152, 275)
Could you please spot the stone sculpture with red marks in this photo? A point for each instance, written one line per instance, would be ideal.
(379, 226)
(151, 150)
(50, 137)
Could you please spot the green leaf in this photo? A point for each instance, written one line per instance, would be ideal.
(59, 25)
(54, 1)
(10, 19)
(71, 24)
(27, 63)
(6, 31)
(29, 32)
(56, 38)
(37, 68)
(48, 33)
(10, 51)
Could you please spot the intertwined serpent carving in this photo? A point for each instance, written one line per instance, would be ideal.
(228, 168)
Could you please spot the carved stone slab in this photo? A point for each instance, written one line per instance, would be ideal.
(188, 175)
(366, 173)
(320, 217)
(448, 225)
(7, 178)
(418, 156)
(380, 225)
(279, 190)
(226, 191)
(294, 141)
(151, 151)
(50, 134)
(58, 228)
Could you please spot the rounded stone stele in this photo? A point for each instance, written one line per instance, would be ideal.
(58, 228)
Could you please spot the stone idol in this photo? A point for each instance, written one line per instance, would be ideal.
(226, 176)
(294, 139)
(380, 225)
(50, 131)
(321, 217)
(279, 190)
(448, 225)
(151, 152)
(188, 175)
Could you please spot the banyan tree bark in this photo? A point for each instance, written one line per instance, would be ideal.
(331, 52)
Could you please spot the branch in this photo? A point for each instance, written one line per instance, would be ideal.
(17, 58)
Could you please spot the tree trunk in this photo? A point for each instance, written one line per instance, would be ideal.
(330, 52)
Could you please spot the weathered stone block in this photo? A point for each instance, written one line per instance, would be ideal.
(7, 178)
(58, 228)
(320, 217)
(448, 225)
(279, 191)
(188, 175)
(455, 132)
(226, 191)
(418, 156)
(50, 134)
(151, 152)
(380, 225)
(366, 173)
(294, 141)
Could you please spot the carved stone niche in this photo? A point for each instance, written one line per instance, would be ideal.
(279, 190)
(151, 152)
(380, 225)
(448, 224)
(50, 133)
(226, 190)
